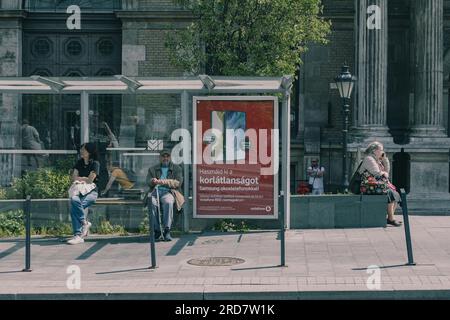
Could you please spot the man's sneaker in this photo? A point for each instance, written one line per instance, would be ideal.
(158, 236)
(85, 230)
(75, 240)
(167, 236)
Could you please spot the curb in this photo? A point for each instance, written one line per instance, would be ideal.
(290, 295)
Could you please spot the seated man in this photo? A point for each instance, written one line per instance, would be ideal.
(163, 179)
(119, 175)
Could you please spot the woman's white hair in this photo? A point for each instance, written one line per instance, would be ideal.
(372, 147)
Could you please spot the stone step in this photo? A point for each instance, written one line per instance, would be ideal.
(429, 206)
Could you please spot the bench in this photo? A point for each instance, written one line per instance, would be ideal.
(128, 213)
(338, 211)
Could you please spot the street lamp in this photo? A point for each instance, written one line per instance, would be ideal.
(345, 82)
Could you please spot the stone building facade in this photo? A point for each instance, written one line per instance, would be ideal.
(400, 98)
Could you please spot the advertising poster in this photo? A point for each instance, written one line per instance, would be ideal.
(235, 170)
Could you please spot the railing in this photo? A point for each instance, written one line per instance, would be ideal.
(407, 230)
(27, 210)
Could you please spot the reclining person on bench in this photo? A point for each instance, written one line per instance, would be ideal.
(164, 180)
(116, 173)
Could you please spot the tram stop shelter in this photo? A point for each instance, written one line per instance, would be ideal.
(127, 88)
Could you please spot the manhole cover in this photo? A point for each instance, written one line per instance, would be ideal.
(215, 261)
(212, 241)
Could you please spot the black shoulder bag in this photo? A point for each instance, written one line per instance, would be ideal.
(355, 181)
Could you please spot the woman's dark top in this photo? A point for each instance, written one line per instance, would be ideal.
(84, 170)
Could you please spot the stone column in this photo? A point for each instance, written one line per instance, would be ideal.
(371, 69)
(428, 40)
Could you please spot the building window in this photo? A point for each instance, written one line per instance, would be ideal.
(105, 47)
(41, 48)
(42, 72)
(73, 73)
(74, 48)
(105, 72)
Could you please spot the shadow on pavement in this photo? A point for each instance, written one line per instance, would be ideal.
(257, 268)
(126, 270)
(11, 250)
(181, 242)
(393, 266)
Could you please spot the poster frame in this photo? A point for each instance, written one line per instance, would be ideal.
(275, 152)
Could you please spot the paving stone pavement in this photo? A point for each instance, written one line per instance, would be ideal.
(329, 263)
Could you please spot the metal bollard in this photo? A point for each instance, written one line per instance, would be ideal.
(27, 210)
(282, 230)
(407, 231)
(152, 240)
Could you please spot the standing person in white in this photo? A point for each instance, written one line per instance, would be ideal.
(315, 174)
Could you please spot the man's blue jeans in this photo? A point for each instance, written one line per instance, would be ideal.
(77, 205)
(166, 205)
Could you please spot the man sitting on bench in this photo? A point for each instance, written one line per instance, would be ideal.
(163, 179)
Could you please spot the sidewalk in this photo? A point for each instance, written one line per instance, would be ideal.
(320, 264)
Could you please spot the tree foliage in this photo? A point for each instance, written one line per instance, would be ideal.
(247, 37)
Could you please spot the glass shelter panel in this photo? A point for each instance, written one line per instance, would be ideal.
(39, 139)
(130, 131)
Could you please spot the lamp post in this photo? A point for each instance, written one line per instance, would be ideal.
(345, 82)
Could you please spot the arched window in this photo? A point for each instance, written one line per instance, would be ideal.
(105, 72)
(42, 72)
(73, 73)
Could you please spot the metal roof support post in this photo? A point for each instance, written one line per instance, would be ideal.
(285, 175)
(286, 149)
(84, 117)
(186, 166)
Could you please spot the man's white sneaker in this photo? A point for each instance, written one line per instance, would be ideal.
(75, 240)
(85, 230)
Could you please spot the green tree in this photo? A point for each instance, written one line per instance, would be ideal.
(247, 37)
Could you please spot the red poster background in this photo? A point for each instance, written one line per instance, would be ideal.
(235, 200)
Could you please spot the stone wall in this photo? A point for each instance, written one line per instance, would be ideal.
(144, 54)
(157, 4)
(157, 62)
